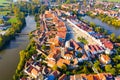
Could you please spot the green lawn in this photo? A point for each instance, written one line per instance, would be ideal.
(13, 20)
(4, 3)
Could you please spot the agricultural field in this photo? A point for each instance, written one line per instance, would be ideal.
(4, 7)
(4, 3)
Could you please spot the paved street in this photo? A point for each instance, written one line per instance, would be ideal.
(78, 33)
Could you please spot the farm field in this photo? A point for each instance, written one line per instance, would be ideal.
(4, 5)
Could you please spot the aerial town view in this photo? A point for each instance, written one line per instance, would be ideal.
(59, 39)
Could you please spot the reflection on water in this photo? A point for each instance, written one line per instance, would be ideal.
(103, 25)
(9, 57)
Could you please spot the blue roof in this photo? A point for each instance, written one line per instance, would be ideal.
(51, 77)
(60, 39)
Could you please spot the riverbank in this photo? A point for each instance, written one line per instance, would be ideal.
(9, 56)
(10, 33)
(103, 25)
(25, 55)
(115, 22)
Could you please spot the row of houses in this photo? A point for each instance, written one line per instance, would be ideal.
(101, 76)
(109, 12)
(60, 53)
(96, 37)
(35, 70)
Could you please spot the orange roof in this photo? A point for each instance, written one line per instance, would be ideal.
(68, 55)
(62, 77)
(90, 77)
(100, 76)
(61, 62)
(61, 28)
(55, 19)
(60, 23)
(55, 41)
(34, 71)
(75, 61)
(105, 57)
(51, 63)
(48, 15)
(84, 56)
(75, 44)
(61, 34)
(54, 52)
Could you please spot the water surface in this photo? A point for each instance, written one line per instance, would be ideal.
(103, 25)
(9, 57)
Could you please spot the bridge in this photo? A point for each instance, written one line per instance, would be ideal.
(21, 34)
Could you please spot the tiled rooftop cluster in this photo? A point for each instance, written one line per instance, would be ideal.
(51, 43)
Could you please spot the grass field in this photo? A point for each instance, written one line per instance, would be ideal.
(13, 20)
(4, 4)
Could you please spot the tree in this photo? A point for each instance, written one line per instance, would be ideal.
(99, 29)
(75, 1)
(38, 24)
(43, 47)
(36, 1)
(116, 59)
(79, 55)
(42, 9)
(1, 21)
(110, 69)
(83, 40)
(1, 41)
(16, 11)
(67, 1)
(85, 70)
(118, 38)
(97, 65)
(118, 68)
(92, 25)
(112, 37)
(54, 67)
(64, 67)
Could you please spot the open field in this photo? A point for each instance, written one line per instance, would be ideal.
(4, 5)
(13, 20)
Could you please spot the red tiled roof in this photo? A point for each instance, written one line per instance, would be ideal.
(56, 73)
(62, 77)
(34, 71)
(61, 62)
(61, 34)
(107, 43)
(75, 44)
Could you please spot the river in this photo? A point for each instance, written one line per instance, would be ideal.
(103, 25)
(9, 57)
